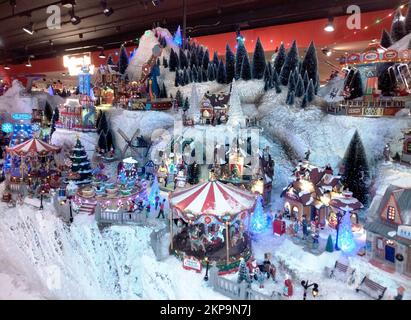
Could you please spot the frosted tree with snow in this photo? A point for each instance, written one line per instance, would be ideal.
(258, 60)
(345, 238)
(310, 91)
(356, 172)
(235, 112)
(279, 59)
(258, 221)
(310, 64)
(243, 273)
(246, 69)
(240, 54)
(123, 60)
(290, 63)
(178, 40)
(221, 73)
(206, 60)
(229, 64)
(194, 110)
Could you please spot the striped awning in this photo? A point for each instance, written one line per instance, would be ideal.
(212, 197)
(33, 147)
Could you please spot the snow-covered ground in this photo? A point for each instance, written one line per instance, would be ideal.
(41, 257)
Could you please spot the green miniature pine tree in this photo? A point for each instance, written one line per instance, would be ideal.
(330, 245)
(80, 163)
(243, 274)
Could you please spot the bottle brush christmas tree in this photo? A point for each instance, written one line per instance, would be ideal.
(80, 163)
(258, 218)
(243, 274)
(330, 245)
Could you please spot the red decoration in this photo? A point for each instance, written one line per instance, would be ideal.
(279, 227)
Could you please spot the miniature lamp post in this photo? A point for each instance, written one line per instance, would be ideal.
(306, 285)
(41, 199)
(207, 265)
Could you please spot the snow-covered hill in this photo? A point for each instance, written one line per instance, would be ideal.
(41, 257)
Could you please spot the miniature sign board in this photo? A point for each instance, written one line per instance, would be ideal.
(192, 263)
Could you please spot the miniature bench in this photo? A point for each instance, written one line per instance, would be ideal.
(341, 272)
(371, 288)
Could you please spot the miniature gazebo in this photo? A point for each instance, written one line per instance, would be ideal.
(30, 160)
(211, 220)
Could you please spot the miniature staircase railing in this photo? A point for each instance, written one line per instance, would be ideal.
(87, 208)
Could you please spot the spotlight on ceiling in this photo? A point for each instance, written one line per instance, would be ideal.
(108, 11)
(6, 67)
(102, 55)
(329, 27)
(29, 28)
(326, 51)
(68, 3)
(73, 18)
(28, 63)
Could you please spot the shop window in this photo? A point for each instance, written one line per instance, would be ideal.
(391, 213)
(409, 146)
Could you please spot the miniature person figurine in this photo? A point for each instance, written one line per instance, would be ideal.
(387, 152)
(307, 155)
(252, 267)
(157, 200)
(260, 277)
(305, 227)
(268, 266)
(288, 287)
(400, 293)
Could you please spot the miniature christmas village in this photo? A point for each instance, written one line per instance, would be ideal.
(245, 177)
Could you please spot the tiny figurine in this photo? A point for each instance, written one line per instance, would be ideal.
(288, 287)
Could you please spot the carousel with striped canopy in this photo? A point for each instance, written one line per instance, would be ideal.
(31, 163)
(211, 220)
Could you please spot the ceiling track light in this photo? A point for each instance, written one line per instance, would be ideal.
(28, 64)
(102, 55)
(73, 18)
(329, 27)
(29, 28)
(68, 3)
(326, 51)
(6, 67)
(106, 10)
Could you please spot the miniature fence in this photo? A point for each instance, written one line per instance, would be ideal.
(234, 290)
(120, 217)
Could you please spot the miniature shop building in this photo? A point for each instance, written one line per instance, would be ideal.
(77, 115)
(389, 230)
(406, 150)
(214, 105)
(316, 193)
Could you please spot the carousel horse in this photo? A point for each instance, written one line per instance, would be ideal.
(236, 237)
(197, 241)
(215, 235)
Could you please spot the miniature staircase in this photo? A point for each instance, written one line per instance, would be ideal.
(87, 208)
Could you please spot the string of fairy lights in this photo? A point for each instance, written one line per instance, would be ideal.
(377, 22)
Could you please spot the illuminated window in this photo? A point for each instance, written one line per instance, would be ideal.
(391, 213)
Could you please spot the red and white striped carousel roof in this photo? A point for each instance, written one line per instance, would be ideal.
(33, 147)
(212, 197)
